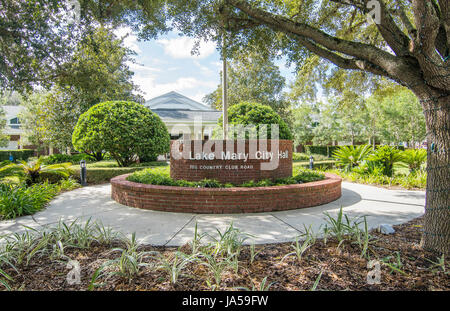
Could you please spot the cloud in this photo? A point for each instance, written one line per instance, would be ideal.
(130, 40)
(149, 84)
(182, 47)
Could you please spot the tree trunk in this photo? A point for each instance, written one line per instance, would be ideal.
(436, 230)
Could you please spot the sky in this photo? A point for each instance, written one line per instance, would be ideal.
(166, 64)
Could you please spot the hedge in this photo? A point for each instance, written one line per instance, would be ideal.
(102, 175)
(317, 164)
(323, 150)
(18, 154)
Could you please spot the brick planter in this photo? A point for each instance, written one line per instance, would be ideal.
(225, 200)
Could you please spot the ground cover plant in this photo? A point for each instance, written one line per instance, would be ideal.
(161, 176)
(20, 200)
(222, 260)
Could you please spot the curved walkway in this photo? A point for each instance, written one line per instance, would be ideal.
(381, 206)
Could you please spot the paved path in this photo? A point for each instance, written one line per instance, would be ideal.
(175, 229)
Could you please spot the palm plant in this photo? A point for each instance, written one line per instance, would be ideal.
(7, 169)
(33, 170)
(351, 156)
(415, 158)
(387, 156)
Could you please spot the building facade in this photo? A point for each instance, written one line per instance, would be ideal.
(181, 113)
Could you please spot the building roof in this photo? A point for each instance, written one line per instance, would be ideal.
(174, 107)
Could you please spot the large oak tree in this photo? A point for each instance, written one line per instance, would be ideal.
(409, 44)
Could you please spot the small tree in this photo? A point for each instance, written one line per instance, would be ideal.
(124, 129)
(248, 113)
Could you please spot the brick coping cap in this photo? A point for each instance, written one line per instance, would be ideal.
(121, 181)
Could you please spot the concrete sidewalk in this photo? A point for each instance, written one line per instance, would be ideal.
(175, 229)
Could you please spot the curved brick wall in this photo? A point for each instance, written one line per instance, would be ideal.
(225, 200)
(246, 170)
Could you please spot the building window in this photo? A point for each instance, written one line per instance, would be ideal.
(14, 123)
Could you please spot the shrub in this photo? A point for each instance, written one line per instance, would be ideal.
(18, 201)
(34, 171)
(64, 158)
(322, 150)
(102, 175)
(161, 177)
(351, 156)
(386, 157)
(248, 113)
(415, 158)
(21, 154)
(299, 157)
(124, 129)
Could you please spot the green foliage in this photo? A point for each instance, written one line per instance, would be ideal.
(66, 158)
(96, 71)
(415, 158)
(296, 156)
(417, 180)
(18, 154)
(250, 113)
(35, 169)
(4, 139)
(124, 129)
(102, 175)
(18, 201)
(322, 150)
(386, 157)
(351, 156)
(253, 78)
(128, 264)
(161, 176)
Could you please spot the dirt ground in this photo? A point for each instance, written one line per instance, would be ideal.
(339, 268)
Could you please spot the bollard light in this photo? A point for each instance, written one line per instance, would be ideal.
(311, 162)
(83, 173)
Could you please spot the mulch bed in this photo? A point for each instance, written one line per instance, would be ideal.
(342, 269)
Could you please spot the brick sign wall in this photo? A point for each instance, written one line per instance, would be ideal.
(230, 161)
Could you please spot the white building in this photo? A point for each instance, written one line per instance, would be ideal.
(13, 127)
(178, 111)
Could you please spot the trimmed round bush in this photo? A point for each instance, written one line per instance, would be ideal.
(127, 130)
(250, 113)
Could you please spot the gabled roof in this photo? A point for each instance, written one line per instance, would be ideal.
(175, 101)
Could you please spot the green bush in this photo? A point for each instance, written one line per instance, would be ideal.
(415, 158)
(102, 175)
(18, 201)
(126, 130)
(417, 180)
(64, 158)
(350, 157)
(317, 164)
(248, 113)
(300, 157)
(385, 157)
(161, 177)
(19, 154)
(323, 150)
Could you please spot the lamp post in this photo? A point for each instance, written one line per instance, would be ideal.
(83, 173)
(224, 88)
(311, 162)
